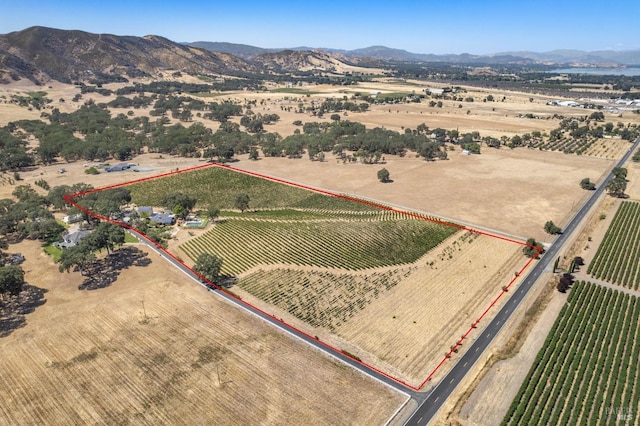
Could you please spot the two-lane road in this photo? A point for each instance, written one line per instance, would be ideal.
(428, 409)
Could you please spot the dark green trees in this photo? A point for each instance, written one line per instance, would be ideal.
(11, 280)
(587, 184)
(209, 266)
(551, 228)
(242, 202)
(180, 204)
(618, 184)
(532, 247)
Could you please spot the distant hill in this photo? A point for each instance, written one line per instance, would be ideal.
(304, 60)
(40, 54)
(376, 53)
(241, 50)
(559, 57)
(575, 57)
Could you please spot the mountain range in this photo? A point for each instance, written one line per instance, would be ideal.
(41, 54)
(557, 57)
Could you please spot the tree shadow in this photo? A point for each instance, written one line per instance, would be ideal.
(104, 272)
(13, 309)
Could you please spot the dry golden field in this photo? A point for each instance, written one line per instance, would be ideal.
(154, 347)
(512, 191)
(112, 362)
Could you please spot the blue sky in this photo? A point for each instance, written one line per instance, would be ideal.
(421, 26)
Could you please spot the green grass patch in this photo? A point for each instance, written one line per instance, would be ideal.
(394, 95)
(53, 251)
(128, 238)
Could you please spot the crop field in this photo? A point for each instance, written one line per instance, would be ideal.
(217, 186)
(368, 241)
(587, 371)
(618, 256)
(320, 298)
(396, 290)
(602, 148)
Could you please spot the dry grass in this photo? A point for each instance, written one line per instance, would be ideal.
(514, 191)
(156, 348)
(415, 324)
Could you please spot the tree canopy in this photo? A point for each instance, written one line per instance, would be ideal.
(618, 184)
(587, 184)
(551, 228)
(383, 175)
(242, 202)
(11, 280)
(209, 266)
(532, 247)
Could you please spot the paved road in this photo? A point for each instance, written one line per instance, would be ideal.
(430, 406)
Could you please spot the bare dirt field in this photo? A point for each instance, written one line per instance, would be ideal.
(502, 117)
(512, 191)
(633, 180)
(150, 165)
(153, 347)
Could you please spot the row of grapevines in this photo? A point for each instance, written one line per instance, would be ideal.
(618, 256)
(588, 367)
(351, 245)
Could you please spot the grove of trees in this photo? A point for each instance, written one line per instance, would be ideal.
(618, 184)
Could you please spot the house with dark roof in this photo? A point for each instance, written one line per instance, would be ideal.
(163, 218)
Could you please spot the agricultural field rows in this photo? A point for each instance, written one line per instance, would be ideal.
(155, 349)
(321, 298)
(603, 148)
(587, 371)
(314, 215)
(618, 256)
(350, 245)
(217, 186)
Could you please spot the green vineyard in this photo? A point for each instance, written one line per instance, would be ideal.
(587, 371)
(568, 146)
(321, 298)
(618, 256)
(215, 186)
(319, 238)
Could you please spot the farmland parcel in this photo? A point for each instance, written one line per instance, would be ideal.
(394, 289)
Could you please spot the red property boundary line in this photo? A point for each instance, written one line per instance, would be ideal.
(71, 200)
